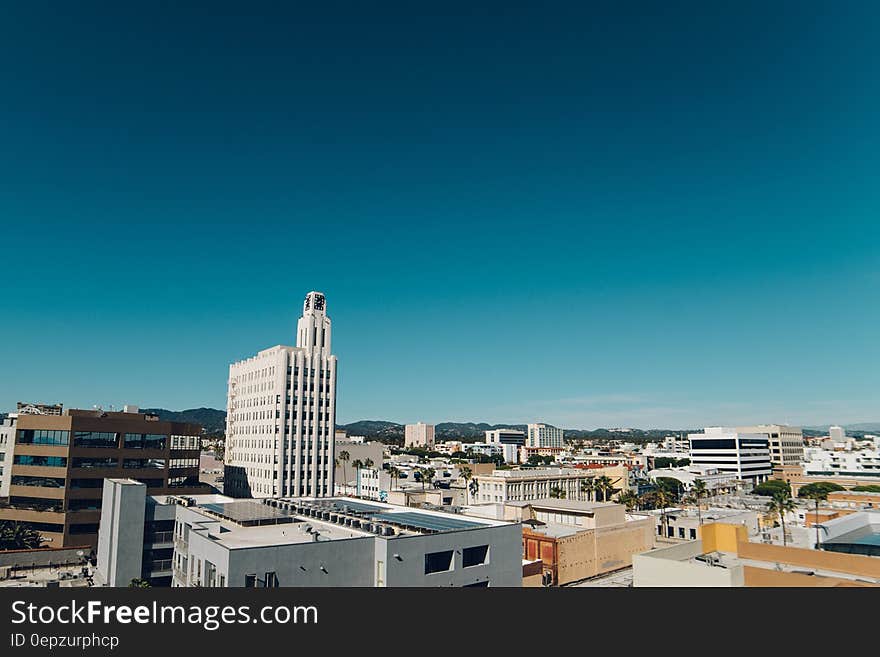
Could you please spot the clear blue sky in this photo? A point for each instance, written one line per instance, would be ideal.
(609, 214)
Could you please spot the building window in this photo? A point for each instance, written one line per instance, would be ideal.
(438, 562)
(95, 439)
(475, 556)
(250, 581)
(42, 437)
(41, 482)
(47, 461)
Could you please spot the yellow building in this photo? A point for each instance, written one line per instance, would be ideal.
(724, 557)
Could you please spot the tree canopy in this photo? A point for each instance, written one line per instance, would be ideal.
(819, 489)
(771, 487)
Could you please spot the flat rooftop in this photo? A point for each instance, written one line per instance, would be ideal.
(239, 524)
(562, 504)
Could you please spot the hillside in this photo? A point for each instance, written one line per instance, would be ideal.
(212, 419)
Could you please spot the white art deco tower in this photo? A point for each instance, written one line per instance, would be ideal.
(281, 414)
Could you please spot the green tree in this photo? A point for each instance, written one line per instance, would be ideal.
(770, 487)
(869, 488)
(819, 488)
(588, 486)
(557, 493)
(467, 474)
(780, 504)
(344, 456)
(395, 475)
(16, 536)
(817, 494)
(427, 476)
(630, 499)
(605, 485)
(138, 583)
(698, 492)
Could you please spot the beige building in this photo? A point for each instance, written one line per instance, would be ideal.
(502, 486)
(579, 540)
(786, 443)
(419, 435)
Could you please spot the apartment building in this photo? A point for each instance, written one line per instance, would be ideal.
(747, 455)
(60, 463)
(419, 435)
(293, 542)
(503, 486)
(281, 414)
(544, 435)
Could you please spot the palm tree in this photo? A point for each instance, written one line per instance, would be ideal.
(557, 493)
(817, 494)
(605, 485)
(588, 486)
(780, 504)
(630, 499)
(369, 463)
(662, 499)
(395, 474)
(466, 474)
(344, 456)
(698, 492)
(427, 475)
(16, 536)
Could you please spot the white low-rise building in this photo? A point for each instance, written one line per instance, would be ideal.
(267, 543)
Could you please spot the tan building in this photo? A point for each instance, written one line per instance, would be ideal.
(419, 435)
(579, 540)
(61, 461)
(786, 443)
(724, 557)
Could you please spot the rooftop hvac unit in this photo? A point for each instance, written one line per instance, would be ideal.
(367, 526)
(356, 524)
(378, 529)
(389, 531)
(325, 515)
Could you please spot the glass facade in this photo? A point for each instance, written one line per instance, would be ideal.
(144, 463)
(42, 437)
(85, 462)
(95, 439)
(145, 441)
(49, 461)
(42, 482)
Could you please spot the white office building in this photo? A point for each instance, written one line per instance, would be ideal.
(419, 435)
(544, 435)
(505, 437)
(747, 455)
(281, 414)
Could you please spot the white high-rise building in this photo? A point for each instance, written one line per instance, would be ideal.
(544, 435)
(419, 435)
(281, 414)
(837, 434)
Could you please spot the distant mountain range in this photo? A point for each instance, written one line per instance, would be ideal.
(214, 422)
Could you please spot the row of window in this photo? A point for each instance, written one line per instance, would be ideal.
(45, 461)
(105, 439)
